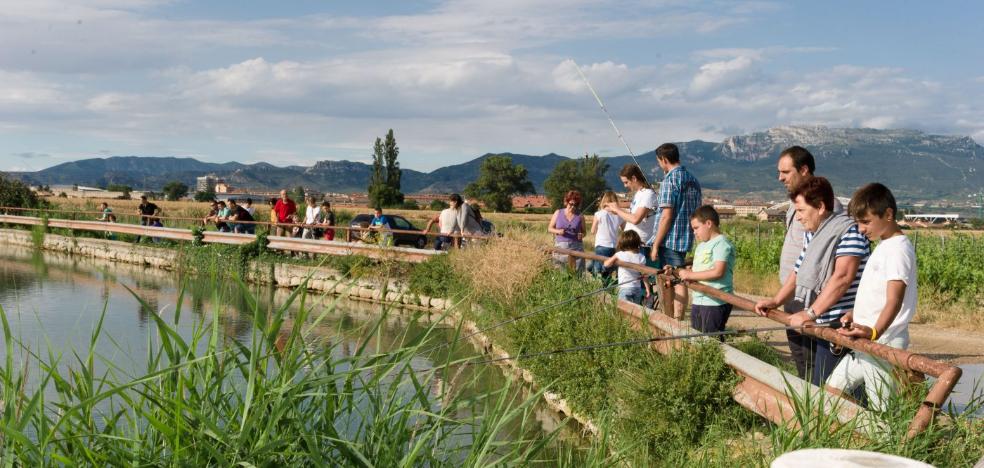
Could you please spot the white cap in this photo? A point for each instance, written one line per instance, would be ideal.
(829, 458)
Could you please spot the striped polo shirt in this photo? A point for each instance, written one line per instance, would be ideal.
(852, 243)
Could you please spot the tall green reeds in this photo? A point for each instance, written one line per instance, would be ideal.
(280, 398)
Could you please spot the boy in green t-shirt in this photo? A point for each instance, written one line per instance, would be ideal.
(714, 260)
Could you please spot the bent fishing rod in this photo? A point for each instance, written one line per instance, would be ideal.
(736, 332)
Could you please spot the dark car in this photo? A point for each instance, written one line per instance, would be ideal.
(395, 222)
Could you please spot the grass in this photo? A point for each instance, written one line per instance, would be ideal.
(282, 397)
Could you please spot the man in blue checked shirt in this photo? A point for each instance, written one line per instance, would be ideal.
(679, 196)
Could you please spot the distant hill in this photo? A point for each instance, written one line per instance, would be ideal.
(914, 164)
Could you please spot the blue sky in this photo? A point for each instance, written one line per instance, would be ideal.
(301, 81)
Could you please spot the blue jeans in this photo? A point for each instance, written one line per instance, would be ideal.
(598, 267)
(673, 258)
(633, 295)
(824, 362)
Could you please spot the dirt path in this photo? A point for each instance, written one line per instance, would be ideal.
(946, 344)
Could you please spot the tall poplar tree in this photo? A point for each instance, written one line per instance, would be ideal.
(384, 183)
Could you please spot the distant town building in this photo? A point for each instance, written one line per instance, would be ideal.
(933, 218)
(745, 208)
(725, 211)
(769, 214)
(206, 183)
(530, 201)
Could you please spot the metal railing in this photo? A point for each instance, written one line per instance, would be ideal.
(946, 375)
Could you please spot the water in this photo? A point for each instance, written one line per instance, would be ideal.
(53, 303)
(969, 389)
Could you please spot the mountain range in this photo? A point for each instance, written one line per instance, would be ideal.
(916, 165)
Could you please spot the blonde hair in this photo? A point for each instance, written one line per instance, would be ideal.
(608, 197)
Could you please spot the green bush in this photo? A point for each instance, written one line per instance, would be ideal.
(434, 278)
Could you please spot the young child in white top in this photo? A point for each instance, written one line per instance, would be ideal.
(605, 227)
(632, 285)
(886, 299)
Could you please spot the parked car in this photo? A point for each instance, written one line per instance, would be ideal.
(395, 222)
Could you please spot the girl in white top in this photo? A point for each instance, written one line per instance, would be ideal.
(641, 216)
(310, 217)
(605, 227)
(632, 285)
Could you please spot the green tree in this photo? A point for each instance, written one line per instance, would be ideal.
(175, 190)
(586, 175)
(297, 194)
(438, 205)
(498, 180)
(205, 196)
(384, 182)
(15, 193)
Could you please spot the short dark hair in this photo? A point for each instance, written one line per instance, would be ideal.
(814, 190)
(873, 198)
(629, 240)
(800, 157)
(632, 170)
(707, 213)
(249, 200)
(273, 201)
(377, 208)
(668, 152)
(143, 197)
(233, 201)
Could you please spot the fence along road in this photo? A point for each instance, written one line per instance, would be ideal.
(290, 244)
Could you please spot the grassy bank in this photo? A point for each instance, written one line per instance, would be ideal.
(655, 409)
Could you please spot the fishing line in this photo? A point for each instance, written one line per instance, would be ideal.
(530, 314)
(832, 325)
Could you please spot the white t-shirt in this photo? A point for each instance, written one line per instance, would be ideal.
(448, 221)
(894, 259)
(311, 214)
(606, 225)
(624, 274)
(644, 198)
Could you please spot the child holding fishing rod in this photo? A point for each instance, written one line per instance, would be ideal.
(632, 284)
(886, 300)
(714, 261)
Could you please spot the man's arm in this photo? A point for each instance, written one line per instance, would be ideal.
(665, 223)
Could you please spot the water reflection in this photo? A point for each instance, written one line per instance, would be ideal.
(54, 301)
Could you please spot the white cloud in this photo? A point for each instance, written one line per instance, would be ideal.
(716, 76)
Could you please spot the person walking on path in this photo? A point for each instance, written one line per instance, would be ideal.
(567, 226)
(679, 196)
(826, 275)
(605, 227)
(284, 208)
(796, 165)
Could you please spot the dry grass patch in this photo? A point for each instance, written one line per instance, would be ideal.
(502, 267)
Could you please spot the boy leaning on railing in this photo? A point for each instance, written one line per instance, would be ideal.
(714, 262)
(886, 299)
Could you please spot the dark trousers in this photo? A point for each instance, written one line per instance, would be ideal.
(813, 357)
(708, 318)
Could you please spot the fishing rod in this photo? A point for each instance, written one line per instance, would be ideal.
(745, 331)
(618, 132)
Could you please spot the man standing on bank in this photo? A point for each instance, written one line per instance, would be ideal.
(796, 165)
(679, 196)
